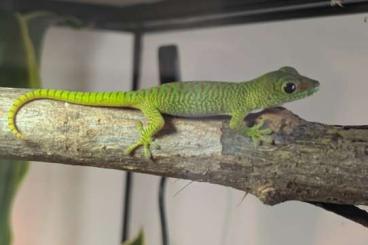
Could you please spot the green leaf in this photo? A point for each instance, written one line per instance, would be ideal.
(11, 174)
(20, 52)
(18, 68)
(139, 240)
(13, 67)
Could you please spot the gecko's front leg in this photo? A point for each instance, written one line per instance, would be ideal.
(257, 133)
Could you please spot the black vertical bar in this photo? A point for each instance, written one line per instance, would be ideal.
(169, 64)
(126, 208)
(137, 59)
(169, 72)
(162, 209)
(137, 54)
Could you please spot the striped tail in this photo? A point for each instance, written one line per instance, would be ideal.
(110, 99)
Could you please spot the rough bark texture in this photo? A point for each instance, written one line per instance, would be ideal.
(308, 161)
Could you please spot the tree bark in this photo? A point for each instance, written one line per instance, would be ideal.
(308, 161)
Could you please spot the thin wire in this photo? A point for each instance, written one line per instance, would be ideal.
(162, 207)
(181, 189)
(350, 212)
(243, 198)
(126, 210)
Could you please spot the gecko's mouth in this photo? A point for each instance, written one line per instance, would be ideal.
(306, 93)
(311, 91)
(313, 88)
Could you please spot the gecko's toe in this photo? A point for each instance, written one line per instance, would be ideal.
(266, 131)
(147, 152)
(256, 141)
(268, 139)
(139, 126)
(258, 134)
(132, 148)
(146, 148)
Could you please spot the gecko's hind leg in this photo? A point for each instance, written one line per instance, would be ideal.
(155, 124)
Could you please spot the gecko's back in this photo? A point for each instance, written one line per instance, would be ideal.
(193, 98)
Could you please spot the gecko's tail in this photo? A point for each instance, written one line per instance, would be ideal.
(111, 99)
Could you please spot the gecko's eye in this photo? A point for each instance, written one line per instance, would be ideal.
(289, 88)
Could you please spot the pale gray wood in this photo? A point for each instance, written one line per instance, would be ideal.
(308, 162)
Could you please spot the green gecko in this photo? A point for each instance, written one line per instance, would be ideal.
(188, 99)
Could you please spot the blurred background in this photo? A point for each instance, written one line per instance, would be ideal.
(59, 204)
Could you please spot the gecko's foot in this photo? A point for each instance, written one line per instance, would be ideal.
(143, 141)
(258, 134)
(146, 148)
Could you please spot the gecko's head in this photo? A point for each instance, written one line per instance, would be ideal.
(286, 84)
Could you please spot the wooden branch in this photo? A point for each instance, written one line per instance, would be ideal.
(308, 162)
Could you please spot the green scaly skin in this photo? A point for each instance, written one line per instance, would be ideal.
(189, 99)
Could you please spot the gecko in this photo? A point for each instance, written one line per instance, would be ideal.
(188, 99)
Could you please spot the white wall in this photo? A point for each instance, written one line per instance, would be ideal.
(74, 205)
